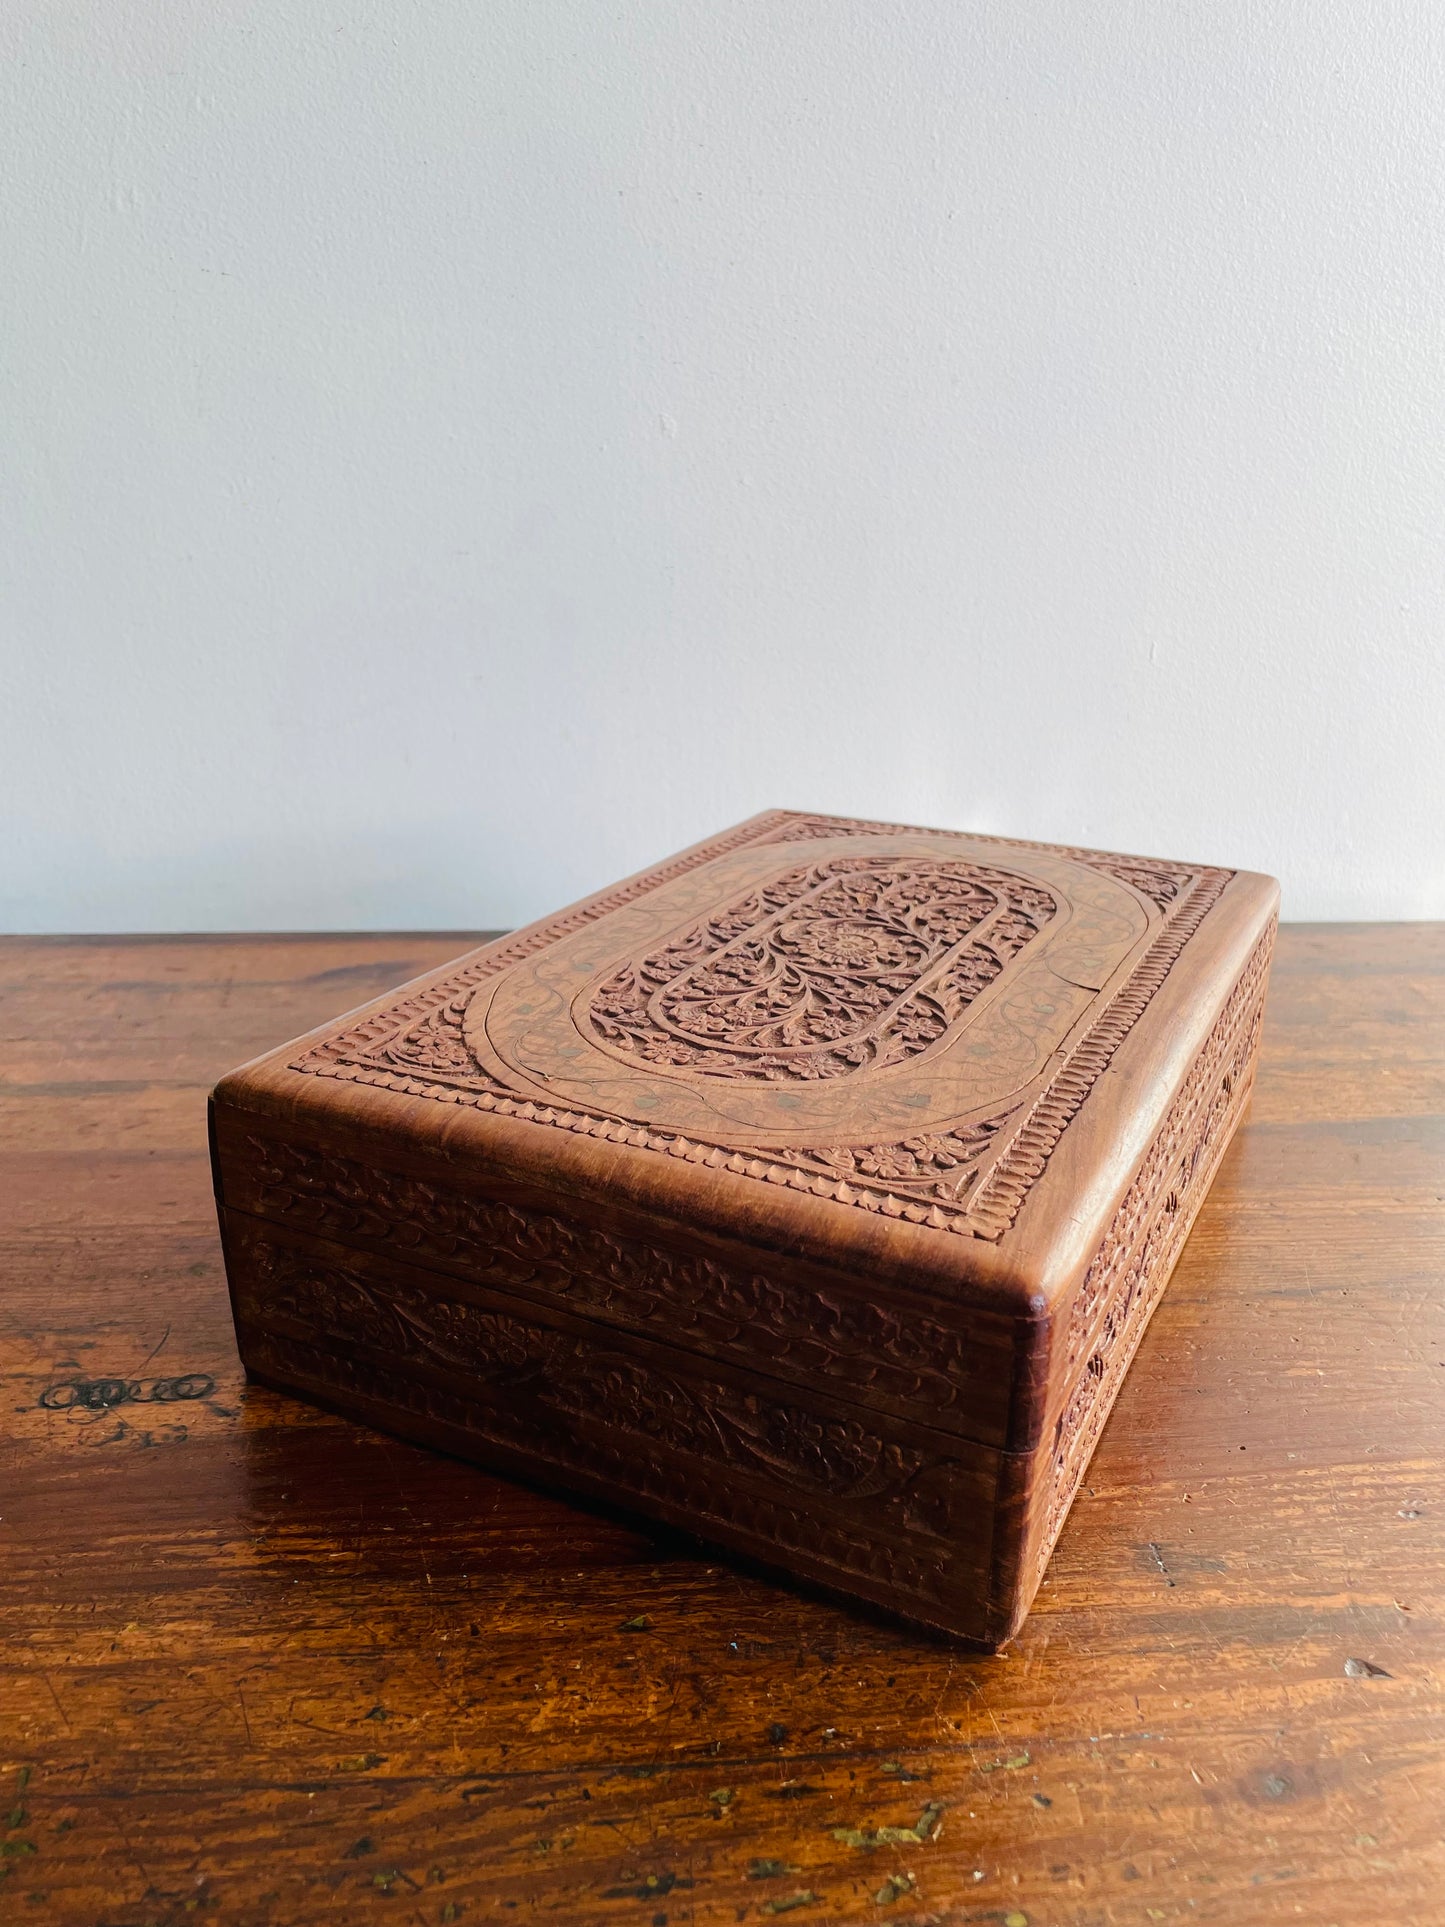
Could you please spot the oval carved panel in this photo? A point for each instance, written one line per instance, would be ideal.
(865, 990)
(830, 969)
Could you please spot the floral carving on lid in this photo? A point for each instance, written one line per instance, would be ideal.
(831, 969)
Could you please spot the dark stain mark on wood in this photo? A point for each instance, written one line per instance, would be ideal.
(1156, 1554)
(104, 1394)
(652, 1887)
(386, 972)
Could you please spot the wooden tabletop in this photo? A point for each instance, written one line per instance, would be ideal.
(263, 1668)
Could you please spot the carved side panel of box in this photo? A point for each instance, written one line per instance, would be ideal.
(850, 1499)
(948, 1368)
(1140, 1249)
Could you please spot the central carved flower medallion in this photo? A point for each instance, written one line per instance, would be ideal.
(827, 970)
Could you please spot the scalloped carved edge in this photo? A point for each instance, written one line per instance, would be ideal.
(985, 1201)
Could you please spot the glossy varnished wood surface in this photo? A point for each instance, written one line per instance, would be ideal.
(261, 1666)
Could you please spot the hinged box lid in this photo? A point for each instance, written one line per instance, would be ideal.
(919, 1066)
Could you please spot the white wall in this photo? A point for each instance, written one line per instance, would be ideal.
(456, 452)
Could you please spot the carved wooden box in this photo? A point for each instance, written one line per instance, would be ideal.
(811, 1191)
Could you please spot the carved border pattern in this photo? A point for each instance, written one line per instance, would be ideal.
(1158, 880)
(679, 1298)
(1142, 1244)
(1023, 1163)
(770, 1470)
(942, 1181)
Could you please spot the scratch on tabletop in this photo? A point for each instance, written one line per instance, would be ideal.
(155, 1350)
(50, 1688)
(141, 1866)
(1344, 1554)
(1280, 1664)
(406, 1508)
(625, 1837)
(942, 1693)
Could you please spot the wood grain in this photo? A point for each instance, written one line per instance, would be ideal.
(261, 1666)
